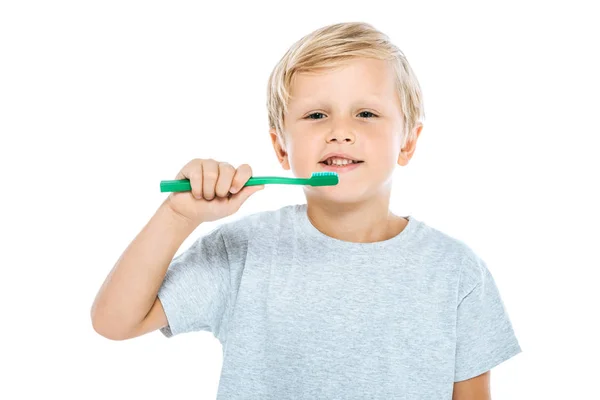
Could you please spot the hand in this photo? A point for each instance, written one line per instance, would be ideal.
(217, 190)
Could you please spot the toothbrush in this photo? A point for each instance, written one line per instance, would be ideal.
(326, 178)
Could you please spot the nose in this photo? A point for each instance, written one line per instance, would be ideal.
(341, 133)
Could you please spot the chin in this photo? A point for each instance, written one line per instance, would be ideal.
(338, 194)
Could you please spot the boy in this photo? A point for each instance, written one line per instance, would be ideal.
(337, 298)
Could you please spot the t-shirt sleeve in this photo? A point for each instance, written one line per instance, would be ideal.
(485, 336)
(195, 291)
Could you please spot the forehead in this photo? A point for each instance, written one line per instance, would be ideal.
(362, 77)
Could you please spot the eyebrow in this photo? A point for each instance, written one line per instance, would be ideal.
(311, 101)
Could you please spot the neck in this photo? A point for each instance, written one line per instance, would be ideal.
(362, 222)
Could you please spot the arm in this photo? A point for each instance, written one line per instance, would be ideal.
(127, 304)
(477, 388)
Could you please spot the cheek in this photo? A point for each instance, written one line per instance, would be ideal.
(303, 156)
(383, 150)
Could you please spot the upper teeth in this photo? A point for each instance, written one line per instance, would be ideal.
(339, 161)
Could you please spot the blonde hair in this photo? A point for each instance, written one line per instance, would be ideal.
(331, 46)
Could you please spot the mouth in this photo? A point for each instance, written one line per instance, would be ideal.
(340, 165)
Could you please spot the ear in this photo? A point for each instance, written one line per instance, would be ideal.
(280, 152)
(408, 150)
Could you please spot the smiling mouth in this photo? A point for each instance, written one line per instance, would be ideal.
(338, 163)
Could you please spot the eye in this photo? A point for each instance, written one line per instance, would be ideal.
(367, 112)
(316, 113)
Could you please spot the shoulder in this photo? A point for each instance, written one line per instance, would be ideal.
(455, 253)
(257, 224)
(442, 246)
(472, 269)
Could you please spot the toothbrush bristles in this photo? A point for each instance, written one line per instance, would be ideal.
(324, 173)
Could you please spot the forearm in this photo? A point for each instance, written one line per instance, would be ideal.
(130, 289)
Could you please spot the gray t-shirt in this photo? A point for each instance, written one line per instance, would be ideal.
(302, 315)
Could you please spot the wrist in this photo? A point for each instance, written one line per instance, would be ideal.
(177, 218)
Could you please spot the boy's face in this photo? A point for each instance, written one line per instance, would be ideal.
(354, 110)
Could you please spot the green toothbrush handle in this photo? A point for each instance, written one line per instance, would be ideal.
(178, 185)
(262, 180)
(183, 185)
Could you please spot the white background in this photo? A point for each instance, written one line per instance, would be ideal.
(99, 101)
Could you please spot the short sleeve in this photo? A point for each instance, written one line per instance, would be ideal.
(195, 291)
(485, 336)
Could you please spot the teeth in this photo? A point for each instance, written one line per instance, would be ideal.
(339, 161)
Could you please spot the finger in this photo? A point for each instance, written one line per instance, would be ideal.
(238, 199)
(226, 173)
(193, 172)
(184, 173)
(242, 174)
(209, 176)
(196, 180)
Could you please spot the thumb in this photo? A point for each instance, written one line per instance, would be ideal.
(240, 197)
